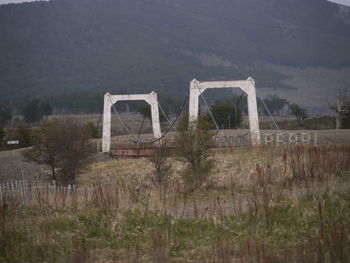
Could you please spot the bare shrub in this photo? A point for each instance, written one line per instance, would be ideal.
(161, 166)
(194, 144)
(316, 162)
(64, 146)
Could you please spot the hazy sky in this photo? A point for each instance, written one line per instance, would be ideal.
(17, 1)
(344, 2)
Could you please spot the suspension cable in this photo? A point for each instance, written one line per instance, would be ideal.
(239, 100)
(163, 112)
(143, 121)
(99, 120)
(120, 119)
(268, 111)
(173, 123)
(206, 104)
(138, 140)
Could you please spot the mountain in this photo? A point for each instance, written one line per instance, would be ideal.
(125, 46)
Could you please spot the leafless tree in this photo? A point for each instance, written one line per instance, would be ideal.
(64, 146)
(342, 108)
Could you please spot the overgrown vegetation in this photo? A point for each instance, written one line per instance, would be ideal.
(93, 130)
(64, 146)
(23, 134)
(292, 205)
(194, 143)
(161, 165)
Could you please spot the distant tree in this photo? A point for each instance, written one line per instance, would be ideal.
(46, 109)
(274, 104)
(5, 115)
(23, 134)
(81, 102)
(32, 112)
(2, 134)
(63, 145)
(194, 144)
(35, 110)
(171, 104)
(299, 112)
(226, 115)
(145, 111)
(342, 108)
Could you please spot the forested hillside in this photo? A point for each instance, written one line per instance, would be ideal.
(67, 46)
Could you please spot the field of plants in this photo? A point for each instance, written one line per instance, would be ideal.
(266, 204)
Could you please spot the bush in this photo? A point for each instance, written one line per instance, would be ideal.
(161, 167)
(23, 134)
(64, 146)
(93, 130)
(194, 143)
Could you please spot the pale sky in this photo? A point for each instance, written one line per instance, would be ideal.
(344, 2)
(18, 1)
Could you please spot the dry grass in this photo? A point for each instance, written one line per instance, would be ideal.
(261, 205)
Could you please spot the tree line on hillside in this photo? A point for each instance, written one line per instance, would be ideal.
(119, 51)
(19, 122)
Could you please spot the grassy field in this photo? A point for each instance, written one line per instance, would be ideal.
(14, 168)
(266, 204)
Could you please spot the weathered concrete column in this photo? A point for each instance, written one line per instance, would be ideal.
(248, 86)
(253, 113)
(106, 132)
(194, 99)
(153, 101)
(109, 100)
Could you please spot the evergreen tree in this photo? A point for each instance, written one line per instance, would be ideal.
(32, 111)
(227, 116)
(299, 112)
(2, 134)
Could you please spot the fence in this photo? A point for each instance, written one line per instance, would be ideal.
(21, 192)
(290, 138)
(232, 140)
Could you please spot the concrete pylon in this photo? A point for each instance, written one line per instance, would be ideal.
(247, 86)
(109, 100)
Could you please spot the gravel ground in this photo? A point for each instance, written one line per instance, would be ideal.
(13, 167)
